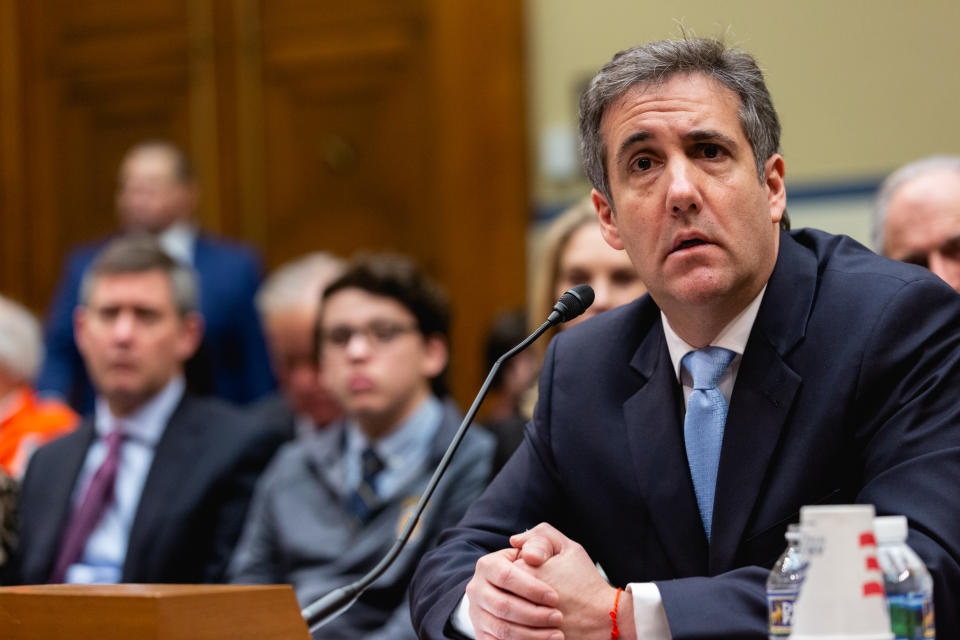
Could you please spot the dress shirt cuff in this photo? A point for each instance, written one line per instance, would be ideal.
(648, 615)
(461, 617)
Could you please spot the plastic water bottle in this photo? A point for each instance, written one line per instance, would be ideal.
(783, 585)
(906, 580)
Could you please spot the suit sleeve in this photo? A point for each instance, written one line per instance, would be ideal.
(232, 506)
(255, 558)
(524, 493)
(905, 448)
(258, 375)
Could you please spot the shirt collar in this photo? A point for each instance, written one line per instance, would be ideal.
(147, 423)
(178, 241)
(404, 445)
(734, 336)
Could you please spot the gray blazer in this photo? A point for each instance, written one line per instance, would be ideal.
(298, 530)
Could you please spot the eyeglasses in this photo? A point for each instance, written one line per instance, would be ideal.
(375, 334)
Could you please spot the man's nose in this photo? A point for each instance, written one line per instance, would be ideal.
(124, 326)
(683, 196)
(947, 267)
(358, 347)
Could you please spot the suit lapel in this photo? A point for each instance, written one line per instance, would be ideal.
(59, 483)
(762, 398)
(652, 418)
(181, 440)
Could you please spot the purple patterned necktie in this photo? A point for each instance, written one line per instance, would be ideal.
(96, 500)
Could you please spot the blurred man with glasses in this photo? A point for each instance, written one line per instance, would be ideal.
(323, 516)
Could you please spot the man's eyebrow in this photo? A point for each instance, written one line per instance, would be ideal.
(631, 140)
(700, 135)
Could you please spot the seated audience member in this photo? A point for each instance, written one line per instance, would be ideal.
(157, 194)
(917, 216)
(288, 303)
(155, 485)
(323, 517)
(26, 422)
(573, 252)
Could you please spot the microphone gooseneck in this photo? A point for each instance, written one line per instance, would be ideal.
(570, 305)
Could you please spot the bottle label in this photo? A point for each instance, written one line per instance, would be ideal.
(911, 616)
(780, 607)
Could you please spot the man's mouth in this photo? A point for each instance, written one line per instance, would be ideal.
(687, 243)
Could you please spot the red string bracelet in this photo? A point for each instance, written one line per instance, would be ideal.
(615, 630)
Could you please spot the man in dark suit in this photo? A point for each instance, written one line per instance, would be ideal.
(675, 438)
(157, 193)
(154, 486)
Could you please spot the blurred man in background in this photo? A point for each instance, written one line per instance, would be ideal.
(324, 516)
(917, 216)
(288, 303)
(157, 194)
(154, 486)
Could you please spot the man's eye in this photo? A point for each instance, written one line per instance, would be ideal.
(643, 164)
(710, 150)
(919, 259)
(951, 248)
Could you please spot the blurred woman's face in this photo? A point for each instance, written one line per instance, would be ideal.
(588, 259)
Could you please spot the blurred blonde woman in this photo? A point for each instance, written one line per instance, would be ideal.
(573, 252)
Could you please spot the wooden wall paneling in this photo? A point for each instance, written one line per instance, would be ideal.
(480, 171)
(204, 115)
(344, 128)
(248, 122)
(103, 75)
(13, 246)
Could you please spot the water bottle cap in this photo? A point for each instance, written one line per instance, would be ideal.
(890, 528)
(793, 533)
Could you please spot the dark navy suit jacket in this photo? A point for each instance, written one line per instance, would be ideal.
(847, 392)
(232, 361)
(192, 507)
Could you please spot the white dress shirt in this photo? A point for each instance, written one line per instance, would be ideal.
(179, 241)
(106, 550)
(648, 614)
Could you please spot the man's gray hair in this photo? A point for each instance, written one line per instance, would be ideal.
(139, 253)
(896, 180)
(655, 63)
(298, 283)
(21, 343)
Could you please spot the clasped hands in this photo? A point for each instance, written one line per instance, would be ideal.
(544, 587)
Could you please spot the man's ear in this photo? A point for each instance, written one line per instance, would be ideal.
(191, 333)
(608, 220)
(774, 172)
(80, 328)
(436, 356)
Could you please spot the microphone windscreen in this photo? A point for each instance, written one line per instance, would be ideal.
(574, 302)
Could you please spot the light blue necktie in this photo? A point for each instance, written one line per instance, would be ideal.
(703, 425)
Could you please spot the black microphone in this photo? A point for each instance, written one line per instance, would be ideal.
(574, 302)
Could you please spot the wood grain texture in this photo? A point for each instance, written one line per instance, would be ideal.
(151, 612)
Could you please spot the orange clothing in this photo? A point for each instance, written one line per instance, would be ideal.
(28, 423)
